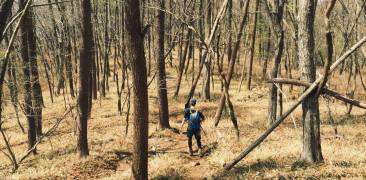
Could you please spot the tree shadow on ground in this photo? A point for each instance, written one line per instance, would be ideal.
(171, 174)
(241, 171)
(99, 166)
(349, 119)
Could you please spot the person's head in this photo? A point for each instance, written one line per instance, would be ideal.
(193, 102)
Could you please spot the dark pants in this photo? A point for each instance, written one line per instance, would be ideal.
(197, 135)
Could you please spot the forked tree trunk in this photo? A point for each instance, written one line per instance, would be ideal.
(310, 106)
(136, 56)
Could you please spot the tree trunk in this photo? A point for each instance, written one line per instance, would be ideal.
(311, 121)
(28, 54)
(160, 65)
(272, 107)
(104, 83)
(85, 68)
(252, 46)
(229, 26)
(136, 56)
(207, 79)
(267, 55)
(232, 63)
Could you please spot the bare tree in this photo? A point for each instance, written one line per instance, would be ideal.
(311, 121)
(160, 65)
(85, 66)
(272, 107)
(28, 53)
(136, 57)
(252, 46)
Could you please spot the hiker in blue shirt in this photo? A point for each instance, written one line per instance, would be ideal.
(194, 119)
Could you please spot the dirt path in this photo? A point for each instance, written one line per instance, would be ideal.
(169, 142)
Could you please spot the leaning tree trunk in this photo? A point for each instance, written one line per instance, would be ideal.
(160, 65)
(232, 64)
(311, 121)
(27, 36)
(85, 67)
(136, 57)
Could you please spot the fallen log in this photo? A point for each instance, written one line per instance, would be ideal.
(324, 90)
(280, 119)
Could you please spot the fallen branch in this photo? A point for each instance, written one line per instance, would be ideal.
(51, 130)
(280, 119)
(325, 90)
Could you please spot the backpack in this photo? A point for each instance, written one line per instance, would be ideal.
(194, 120)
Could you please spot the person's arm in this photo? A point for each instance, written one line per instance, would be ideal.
(181, 126)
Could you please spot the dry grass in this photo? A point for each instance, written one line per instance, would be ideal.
(344, 153)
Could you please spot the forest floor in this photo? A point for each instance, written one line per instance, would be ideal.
(110, 149)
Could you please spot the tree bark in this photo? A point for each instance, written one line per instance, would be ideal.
(272, 106)
(136, 56)
(252, 46)
(28, 54)
(310, 106)
(85, 68)
(160, 65)
(207, 80)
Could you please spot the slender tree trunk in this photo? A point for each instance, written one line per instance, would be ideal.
(272, 107)
(229, 26)
(207, 80)
(311, 121)
(252, 46)
(266, 59)
(136, 56)
(160, 65)
(85, 68)
(183, 58)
